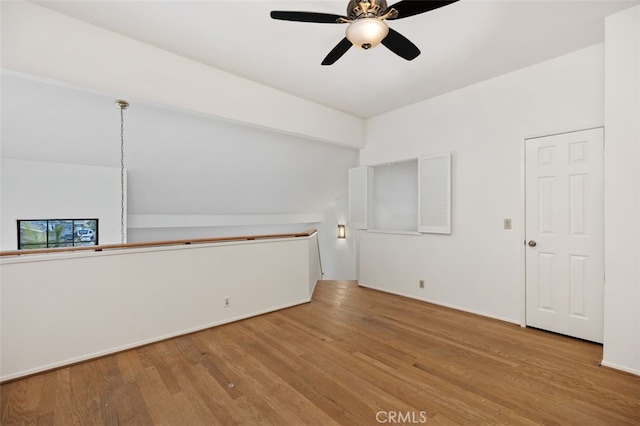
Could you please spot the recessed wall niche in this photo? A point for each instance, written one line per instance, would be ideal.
(407, 196)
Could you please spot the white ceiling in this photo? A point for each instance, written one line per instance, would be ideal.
(463, 43)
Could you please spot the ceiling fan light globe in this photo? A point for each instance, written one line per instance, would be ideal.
(367, 33)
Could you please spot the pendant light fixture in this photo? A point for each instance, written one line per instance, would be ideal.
(121, 105)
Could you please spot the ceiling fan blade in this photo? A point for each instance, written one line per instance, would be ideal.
(321, 18)
(408, 8)
(337, 52)
(400, 45)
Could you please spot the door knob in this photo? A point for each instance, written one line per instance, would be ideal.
(532, 243)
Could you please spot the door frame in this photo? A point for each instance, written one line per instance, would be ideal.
(522, 214)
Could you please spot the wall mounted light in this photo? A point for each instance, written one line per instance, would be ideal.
(342, 233)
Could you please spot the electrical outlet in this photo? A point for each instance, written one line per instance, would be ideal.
(227, 302)
(421, 284)
(507, 224)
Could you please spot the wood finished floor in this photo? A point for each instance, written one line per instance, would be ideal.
(343, 358)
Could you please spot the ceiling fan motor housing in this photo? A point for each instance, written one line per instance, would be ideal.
(366, 9)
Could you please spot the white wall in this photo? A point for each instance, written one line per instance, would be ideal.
(622, 191)
(40, 190)
(41, 42)
(190, 176)
(179, 163)
(65, 308)
(479, 268)
(338, 255)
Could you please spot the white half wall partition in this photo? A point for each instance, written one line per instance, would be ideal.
(58, 309)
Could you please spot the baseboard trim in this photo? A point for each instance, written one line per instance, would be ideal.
(313, 288)
(620, 367)
(446, 305)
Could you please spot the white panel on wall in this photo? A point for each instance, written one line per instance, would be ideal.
(359, 196)
(435, 193)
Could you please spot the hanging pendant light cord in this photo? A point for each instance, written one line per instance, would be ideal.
(122, 105)
(121, 175)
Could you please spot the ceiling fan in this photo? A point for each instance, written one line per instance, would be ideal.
(367, 27)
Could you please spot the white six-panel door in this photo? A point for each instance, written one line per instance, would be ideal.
(565, 233)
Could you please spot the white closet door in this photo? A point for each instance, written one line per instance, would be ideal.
(565, 233)
(360, 197)
(434, 194)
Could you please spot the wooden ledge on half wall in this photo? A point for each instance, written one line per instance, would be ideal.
(306, 233)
